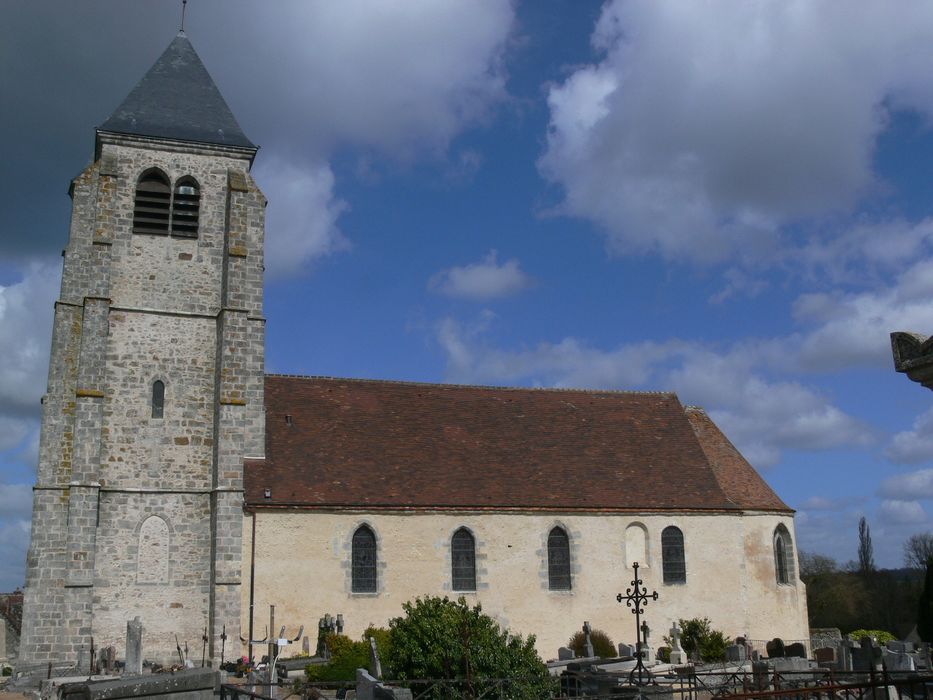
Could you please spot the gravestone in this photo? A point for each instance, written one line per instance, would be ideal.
(565, 654)
(775, 648)
(84, 661)
(106, 659)
(134, 647)
(678, 655)
(898, 661)
(796, 649)
(627, 650)
(900, 647)
(587, 640)
(736, 653)
(846, 652)
(866, 656)
(374, 664)
(825, 656)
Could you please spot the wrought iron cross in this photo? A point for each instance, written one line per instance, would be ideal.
(635, 598)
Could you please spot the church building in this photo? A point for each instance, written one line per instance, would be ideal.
(179, 483)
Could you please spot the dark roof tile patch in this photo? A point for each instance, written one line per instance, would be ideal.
(360, 443)
(177, 99)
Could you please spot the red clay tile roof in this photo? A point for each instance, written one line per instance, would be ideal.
(737, 478)
(379, 444)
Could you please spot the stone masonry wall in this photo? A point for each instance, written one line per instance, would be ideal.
(116, 485)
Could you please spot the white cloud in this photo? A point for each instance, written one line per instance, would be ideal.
(14, 540)
(902, 512)
(821, 503)
(701, 133)
(301, 219)
(15, 501)
(26, 310)
(852, 329)
(918, 484)
(482, 281)
(399, 77)
(915, 445)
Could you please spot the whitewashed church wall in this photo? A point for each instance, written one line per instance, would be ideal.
(303, 568)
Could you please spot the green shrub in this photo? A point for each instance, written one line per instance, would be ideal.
(664, 655)
(442, 639)
(346, 656)
(880, 636)
(603, 645)
(700, 641)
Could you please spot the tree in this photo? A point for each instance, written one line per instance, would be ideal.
(866, 553)
(925, 607)
(917, 550)
(442, 639)
(812, 565)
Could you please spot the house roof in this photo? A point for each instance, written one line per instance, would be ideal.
(177, 99)
(343, 443)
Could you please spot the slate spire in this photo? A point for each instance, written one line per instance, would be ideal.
(177, 99)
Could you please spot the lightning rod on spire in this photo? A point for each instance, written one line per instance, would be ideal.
(184, 6)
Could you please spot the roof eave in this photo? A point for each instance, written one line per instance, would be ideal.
(102, 135)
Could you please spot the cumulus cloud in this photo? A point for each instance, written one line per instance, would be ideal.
(26, 309)
(398, 77)
(918, 484)
(761, 414)
(821, 503)
(14, 540)
(915, 445)
(15, 501)
(301, 219)
(700, 133)
(902, 512)
(483, 280)
(852, 328)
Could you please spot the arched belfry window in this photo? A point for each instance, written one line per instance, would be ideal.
(363, 572)
(152, 203)
(158, 398)
(672, 555)
(558, 560)
(783, 555)
(185, 208)
(463, 560)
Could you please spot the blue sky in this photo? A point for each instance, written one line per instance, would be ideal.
(730, 200)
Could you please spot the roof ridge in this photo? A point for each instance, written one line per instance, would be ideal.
(409, 382)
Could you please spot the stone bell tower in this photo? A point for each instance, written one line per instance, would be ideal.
(155, 390)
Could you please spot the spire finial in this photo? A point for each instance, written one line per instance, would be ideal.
(184, 6)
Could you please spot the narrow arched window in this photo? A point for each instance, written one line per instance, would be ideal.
(151, 206)
(463, 560)
(363, 572)
(185, 208)
(158, 398)
(558, 560)
(783, 555)
(672, 555)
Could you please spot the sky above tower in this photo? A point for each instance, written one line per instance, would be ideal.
(730, 200)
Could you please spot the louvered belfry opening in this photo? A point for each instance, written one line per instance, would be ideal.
(185, 208)
(153, 199)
